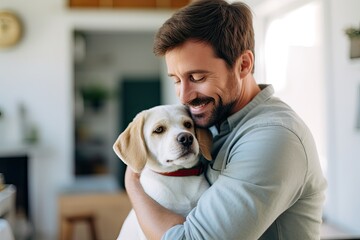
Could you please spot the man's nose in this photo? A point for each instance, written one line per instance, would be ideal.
(185, 92)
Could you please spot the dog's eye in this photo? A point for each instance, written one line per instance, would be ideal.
(159, 129)
(188, 124)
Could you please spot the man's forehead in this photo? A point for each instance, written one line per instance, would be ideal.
(192, 57)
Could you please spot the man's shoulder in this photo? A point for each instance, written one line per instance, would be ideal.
(273, 112)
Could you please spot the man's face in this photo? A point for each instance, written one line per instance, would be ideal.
(203, 82)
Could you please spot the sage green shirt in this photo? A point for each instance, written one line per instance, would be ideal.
(266, 179)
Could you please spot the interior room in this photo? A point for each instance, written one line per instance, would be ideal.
(77, 72)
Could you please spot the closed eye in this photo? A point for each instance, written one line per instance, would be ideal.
(196, 77)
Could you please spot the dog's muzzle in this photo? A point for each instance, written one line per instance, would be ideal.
(185, 139)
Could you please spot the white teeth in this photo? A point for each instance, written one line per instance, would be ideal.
(199, 106)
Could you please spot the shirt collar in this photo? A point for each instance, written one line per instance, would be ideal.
(266, 92)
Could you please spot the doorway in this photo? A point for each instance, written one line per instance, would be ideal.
(137, 94)
(113, 71)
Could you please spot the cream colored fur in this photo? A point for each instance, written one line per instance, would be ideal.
(149, 145)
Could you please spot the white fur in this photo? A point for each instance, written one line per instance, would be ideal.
(164, 153)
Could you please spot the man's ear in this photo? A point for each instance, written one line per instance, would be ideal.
(130, 146)
(204, 138)
(244, 64)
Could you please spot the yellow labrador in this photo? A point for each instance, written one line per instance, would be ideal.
(163, 144)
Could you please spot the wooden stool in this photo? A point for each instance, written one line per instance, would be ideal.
(69, 222)
(102, 205)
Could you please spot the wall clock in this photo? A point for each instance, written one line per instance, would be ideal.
(10, 29)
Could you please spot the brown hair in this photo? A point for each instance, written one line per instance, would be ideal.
(226, 27)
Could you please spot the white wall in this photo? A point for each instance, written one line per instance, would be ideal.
(38, 72)
(343, 85)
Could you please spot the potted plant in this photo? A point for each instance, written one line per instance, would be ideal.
(354, 36)
(95, 95)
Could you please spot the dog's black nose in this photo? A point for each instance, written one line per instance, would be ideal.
(186, 139)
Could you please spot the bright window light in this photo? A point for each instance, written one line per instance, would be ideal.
(295, 28)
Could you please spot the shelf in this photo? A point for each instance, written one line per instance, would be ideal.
(139, 4)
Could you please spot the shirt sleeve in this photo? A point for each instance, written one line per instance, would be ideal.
(264, 175)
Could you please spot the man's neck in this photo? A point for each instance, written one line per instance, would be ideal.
(248, 92)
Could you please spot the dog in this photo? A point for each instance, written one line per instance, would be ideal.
(163, 145)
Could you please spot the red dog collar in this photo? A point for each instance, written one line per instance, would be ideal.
(185, 172)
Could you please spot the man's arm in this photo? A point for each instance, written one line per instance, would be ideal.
(153, 218)
(262, 179)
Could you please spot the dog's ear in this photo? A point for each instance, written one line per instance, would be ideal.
(204, 138)
(130, 145)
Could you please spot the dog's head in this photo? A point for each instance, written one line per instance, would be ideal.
(164, 138)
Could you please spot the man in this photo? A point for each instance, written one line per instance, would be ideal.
(266, 180)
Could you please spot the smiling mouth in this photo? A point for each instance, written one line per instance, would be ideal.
(198, 104)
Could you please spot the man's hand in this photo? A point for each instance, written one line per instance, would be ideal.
(153, 218)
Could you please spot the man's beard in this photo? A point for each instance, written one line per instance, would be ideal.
(217, 115)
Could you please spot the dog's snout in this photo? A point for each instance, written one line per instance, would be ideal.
(186, 139)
